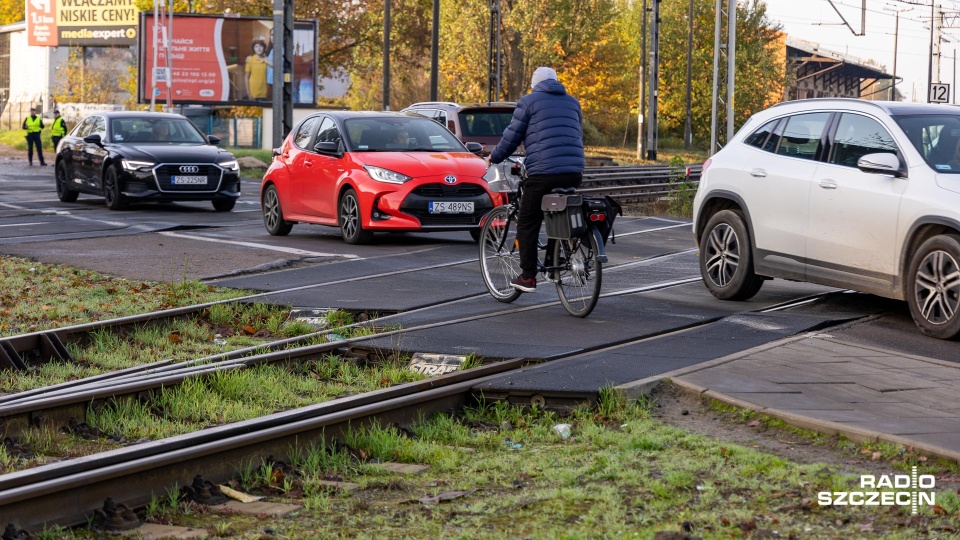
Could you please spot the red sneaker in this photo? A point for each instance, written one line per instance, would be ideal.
(523, 284)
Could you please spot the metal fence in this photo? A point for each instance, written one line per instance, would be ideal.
(641, 183)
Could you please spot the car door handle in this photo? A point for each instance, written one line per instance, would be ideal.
(828, 184)
(308, 163)
(758, 173)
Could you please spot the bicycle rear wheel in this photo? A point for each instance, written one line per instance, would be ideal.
(499, 255)
(578, 283)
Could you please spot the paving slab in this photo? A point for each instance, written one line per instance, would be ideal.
(866, 393)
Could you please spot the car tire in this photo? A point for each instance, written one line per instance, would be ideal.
(350, 219)
(224, 205)
(933, 287)
(111, 190)
(64, 193)
(726, 257)
(273, 213)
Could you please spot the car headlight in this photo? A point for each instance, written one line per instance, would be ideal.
(231, 165)
(131, 165)
(386, 175)
(500, 179)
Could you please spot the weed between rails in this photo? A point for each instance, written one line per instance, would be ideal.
(504, 472)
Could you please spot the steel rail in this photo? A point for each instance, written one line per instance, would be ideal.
(65, 493)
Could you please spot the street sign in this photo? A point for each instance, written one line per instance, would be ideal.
(939, 93)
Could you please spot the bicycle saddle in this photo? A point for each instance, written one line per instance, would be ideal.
(564, 191)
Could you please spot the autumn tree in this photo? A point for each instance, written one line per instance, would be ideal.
(11, 11)
(104, 78)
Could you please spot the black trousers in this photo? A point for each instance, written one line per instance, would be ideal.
(531, 216)
(33, 139)
(56, 141)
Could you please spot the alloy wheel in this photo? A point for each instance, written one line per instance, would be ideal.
(722, 254)
(937, 287)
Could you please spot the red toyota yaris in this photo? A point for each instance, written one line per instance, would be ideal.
(375, 171)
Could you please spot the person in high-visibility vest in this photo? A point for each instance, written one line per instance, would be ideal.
(34, 125)
(58, 129)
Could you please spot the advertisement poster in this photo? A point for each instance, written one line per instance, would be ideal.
(224, 61)
(51, 23)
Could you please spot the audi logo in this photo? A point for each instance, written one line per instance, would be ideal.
(189, 169)
(451, 179)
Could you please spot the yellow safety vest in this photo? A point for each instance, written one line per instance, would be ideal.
(58, 129)
(34, 124)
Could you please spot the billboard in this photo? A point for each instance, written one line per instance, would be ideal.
(225, 61)
(52, 23)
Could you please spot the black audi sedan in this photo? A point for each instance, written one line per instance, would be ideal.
(145, 156)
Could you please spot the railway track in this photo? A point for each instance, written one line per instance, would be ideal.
(67, 493)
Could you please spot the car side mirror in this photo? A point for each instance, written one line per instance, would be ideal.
(93, 139)
(882, 163)
(475, 148)
(214, 140)
(328, 147)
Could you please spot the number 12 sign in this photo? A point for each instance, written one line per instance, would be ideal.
(939, 93)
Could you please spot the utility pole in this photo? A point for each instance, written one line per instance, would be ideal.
(282, 70)
(954, 100)
(642, 105)
(169, 44)
(930, 60)
(153, 76)
(434, 52)
(729, 49)
(654, 83)
(495, 58)
(386, 55)
(688, 124)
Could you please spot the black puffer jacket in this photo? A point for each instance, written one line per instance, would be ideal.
(549, 123)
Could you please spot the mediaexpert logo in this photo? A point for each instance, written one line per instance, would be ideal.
(910, 490)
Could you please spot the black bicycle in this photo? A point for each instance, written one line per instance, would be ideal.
(574, 249)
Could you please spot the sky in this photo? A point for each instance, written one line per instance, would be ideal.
(816, 21)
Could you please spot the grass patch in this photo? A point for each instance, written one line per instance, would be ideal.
(621, 474)
(36, 296)
(665, 156)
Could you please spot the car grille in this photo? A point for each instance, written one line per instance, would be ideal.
(443, 190)
(165, 173)
(417, 204)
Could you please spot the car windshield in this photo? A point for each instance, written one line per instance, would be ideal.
(485, 123)
(399, 134)
(936, 137)
(155, 131)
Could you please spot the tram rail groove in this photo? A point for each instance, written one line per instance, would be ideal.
(65, 493)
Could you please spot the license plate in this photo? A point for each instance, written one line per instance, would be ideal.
(182, 180)
(444, 207)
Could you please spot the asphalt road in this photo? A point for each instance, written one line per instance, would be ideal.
(406, 272)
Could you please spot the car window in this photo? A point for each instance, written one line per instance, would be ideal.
(393, 134)
(484, 123)
(857, 136)
(100, 127)
(85, 128)
(302, 138)
(328, 131)
(801, 136)
(759, 137)
(936, 137)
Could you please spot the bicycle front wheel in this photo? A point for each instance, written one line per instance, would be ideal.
(580, 274)
(499, 255)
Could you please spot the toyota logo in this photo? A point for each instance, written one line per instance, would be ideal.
(189, 169)
(451, 179)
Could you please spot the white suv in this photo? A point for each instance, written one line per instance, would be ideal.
(849, 193)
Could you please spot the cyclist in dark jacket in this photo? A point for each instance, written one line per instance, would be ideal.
(549, 123)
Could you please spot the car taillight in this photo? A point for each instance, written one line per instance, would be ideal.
(703, 170)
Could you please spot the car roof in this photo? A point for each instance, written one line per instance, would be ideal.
(889, 107)
(137, 114)
(346, 115)
(458, 106)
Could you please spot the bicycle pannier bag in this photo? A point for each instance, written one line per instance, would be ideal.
(563, 215)
(602, 211)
